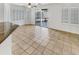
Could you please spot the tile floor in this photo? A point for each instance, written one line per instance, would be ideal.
(41, 23)
(35, 40)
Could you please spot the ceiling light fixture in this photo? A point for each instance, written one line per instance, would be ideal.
(29, 5)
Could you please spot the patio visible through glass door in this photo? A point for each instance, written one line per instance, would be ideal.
(41, 18)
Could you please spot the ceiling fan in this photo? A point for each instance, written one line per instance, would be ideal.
(30, 5)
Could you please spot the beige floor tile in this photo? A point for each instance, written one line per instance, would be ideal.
(75, 51)
(30, 42)
(18, 51)
(45, 42)
(36, 52)
(24, 45)
(30, 50)
(35, 45)
(67, 50)
(59, 44)
(41, 48)
(37, 40)
(26, 40)
(24, 53)
(51, 45)
(15, 47)
(58, 50)
(48, 52)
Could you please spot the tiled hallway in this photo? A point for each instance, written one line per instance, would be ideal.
(35, 40)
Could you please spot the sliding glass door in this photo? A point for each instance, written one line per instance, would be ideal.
(41, 18)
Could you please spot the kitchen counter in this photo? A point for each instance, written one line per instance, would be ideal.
(6, 29)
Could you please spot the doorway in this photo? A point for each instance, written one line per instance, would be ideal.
(41, 18)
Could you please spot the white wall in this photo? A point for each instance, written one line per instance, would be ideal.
(8, 16)
(29, 16)
(1, 12)
(18, 20)
(33, 15)
(54, 17)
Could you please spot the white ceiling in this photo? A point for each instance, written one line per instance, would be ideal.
(32, 4)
